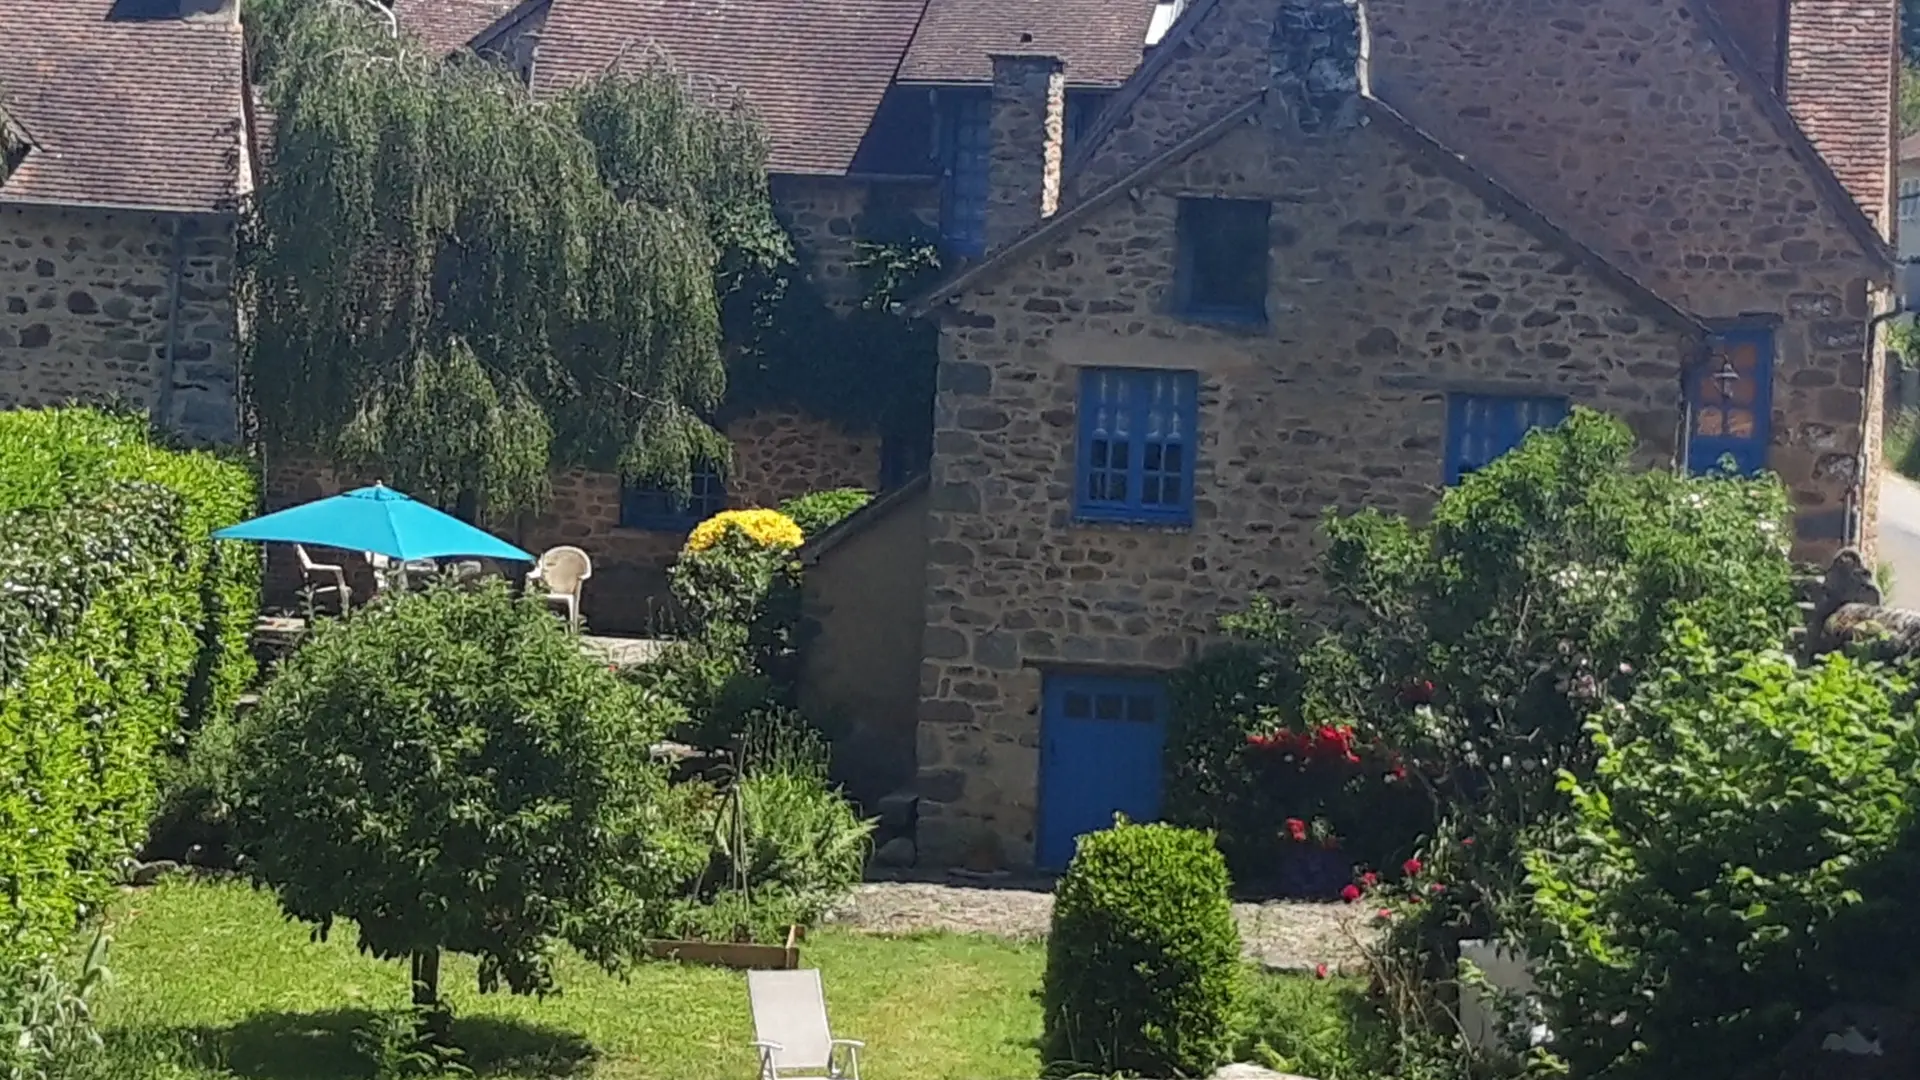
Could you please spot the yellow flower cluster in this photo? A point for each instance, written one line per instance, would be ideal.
(767, 528)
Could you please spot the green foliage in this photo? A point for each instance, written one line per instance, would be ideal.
(1909, 95)
(1143, 959)
(122, 628)
(1272, 681)
(46, 1019)
(467, 287)
(818, 511)
(742, 601)
(447, 770)
(396, 1046)
(711, 677)
(1542, 583)
(1740, 858)
(1323, 1028)
(785, 846)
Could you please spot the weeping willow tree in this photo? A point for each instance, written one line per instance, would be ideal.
(463, 288)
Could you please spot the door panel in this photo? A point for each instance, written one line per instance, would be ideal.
(1101, 745)
(1730, 403)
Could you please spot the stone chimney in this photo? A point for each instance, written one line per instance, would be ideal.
(1027, 133)
(1842, 77)
(1318, 63)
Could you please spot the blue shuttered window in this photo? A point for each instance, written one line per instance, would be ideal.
(1137, 442)
(965, 140)
(1481, 427)
(648, 506)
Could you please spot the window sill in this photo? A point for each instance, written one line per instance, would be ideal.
(1103, 519)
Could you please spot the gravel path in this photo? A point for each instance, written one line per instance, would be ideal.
(1284, 934)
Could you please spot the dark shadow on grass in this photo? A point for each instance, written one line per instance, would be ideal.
(324, 1046)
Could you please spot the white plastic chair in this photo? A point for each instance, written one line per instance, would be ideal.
(561, 571)
(790, 1029)
(310, 570)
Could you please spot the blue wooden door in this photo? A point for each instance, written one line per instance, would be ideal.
(1100, 751)
(1730, 403)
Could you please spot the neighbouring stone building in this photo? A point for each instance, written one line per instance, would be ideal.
(876, 113)
(1337, 253)
(123, 129)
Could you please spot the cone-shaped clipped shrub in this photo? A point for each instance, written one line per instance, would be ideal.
(1143, 962)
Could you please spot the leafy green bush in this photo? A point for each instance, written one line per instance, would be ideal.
(817, 511)
(1143, 960)
(1250, 718)
(734, 581)
(1323, 1028)
(46, 1019)
(785, 847)
(123, 627)
(712, 679)
(447, 770)
(1742, 857)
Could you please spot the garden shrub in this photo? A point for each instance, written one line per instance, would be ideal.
(712, 680)
(123, 627)
(1261, 754)
(739, 585)
(448, 771)
(796, 847)
(46, 1018)
(1143, 959)
(818, 511)
(1741, 858)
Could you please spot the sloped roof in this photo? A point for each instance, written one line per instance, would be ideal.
(1100, 40)
(1910, 148)
(446, 26)
(814, 70)
(141, 114)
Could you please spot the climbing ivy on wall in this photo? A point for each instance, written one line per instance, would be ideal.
(465, 288)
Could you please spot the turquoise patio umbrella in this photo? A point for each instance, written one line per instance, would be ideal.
(377, 519)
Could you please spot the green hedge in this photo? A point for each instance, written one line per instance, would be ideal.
(122, 628)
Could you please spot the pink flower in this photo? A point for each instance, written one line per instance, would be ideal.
(1466, 841)
(1297, 830)
(1410, 867)
(1383, 914)
(1436, 888)
(1320, 971)
(1369, 879)
(1350, 893)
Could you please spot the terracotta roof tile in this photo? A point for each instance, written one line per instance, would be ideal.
(142, 114)
(1842, 60)
(1101, 40)
(446, 26)
(814, 70)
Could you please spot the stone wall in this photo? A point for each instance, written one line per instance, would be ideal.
(1390, 285)
(1624, 122)
(864, 607)
(827, 215)
(776, 456)
(106, 307)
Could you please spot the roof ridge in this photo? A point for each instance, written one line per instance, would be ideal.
(1130, 92)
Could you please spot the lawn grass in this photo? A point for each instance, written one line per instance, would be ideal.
(208, 981)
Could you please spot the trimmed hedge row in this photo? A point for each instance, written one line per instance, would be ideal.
(122, 628)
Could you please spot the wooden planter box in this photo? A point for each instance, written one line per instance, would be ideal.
(738, 955)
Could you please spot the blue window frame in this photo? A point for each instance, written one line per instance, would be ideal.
(649, 506)
(1103, 743)
(1138, 434)
(1481, 427)
(1730, 403)
(1221, 250)
(965, 144)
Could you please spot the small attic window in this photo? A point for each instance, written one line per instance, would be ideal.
(1222, 248)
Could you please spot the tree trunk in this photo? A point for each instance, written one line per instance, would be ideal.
(426, 997)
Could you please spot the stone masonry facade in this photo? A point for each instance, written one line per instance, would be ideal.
(776, 457)
(1391, 284)
(1682, 178)
(121, 308)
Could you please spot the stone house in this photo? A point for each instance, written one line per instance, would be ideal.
(123, 160)
(1337, 253)
(875, 111)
